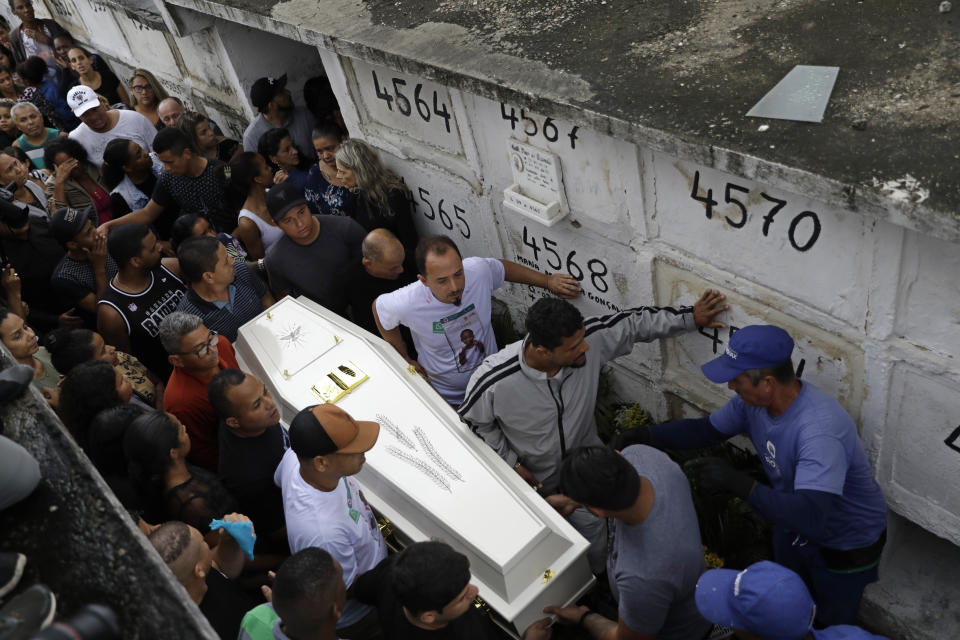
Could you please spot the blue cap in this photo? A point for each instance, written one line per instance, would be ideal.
(755, 347)
(765, 598)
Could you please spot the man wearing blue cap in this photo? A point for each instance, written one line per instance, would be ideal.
(827, 511)
(766, 601)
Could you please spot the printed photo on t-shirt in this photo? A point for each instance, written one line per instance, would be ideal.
(461, 331)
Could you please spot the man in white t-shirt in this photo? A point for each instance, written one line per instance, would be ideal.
(100, 125)
(324, 506)
(448, 311)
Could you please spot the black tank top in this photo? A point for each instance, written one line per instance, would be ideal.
(142, 312)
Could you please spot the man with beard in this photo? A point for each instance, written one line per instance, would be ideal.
(452, 295)
(273, 100)
(535, 400)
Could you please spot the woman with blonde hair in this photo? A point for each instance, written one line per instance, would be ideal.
(381, 197)
(146, 92)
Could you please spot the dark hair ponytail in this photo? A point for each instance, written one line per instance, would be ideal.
(115, 157)
(243, 171)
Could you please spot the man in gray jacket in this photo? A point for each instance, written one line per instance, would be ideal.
(535, 399)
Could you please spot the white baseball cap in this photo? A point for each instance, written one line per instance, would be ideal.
(81, 99)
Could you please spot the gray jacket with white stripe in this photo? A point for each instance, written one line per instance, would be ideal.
(522, 414)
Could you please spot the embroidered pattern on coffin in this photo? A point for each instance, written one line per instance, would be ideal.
(421, 466)
(395, 431)
(434, 455)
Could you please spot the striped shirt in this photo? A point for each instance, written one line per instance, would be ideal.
(226, 318)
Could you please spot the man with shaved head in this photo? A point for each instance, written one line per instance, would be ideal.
(169, 110)
(383, 267)
(206, 574)
(308, 599)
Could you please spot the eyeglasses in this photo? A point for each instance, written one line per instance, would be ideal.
(202, 349)
(141, 88)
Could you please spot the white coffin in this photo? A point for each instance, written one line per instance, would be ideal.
(427, 473)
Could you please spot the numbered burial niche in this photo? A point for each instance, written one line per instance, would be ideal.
(601, 174)
(766, 235)
(829, 361)
(445, 204)
(415, 107)
(427, 472)
(920, 449)
(928, 304)
(612, 276)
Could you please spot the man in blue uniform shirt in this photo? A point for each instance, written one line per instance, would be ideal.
(827, 511)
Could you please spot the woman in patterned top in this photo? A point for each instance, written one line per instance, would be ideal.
(41, 90)
(326, 194)
(71, 347)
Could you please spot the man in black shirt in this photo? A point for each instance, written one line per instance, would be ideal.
(425, 592)
(251, 443)
(189, 180)
(314, 253)
(207, 574)
(145, 290)
(81, 276)
(381, 269)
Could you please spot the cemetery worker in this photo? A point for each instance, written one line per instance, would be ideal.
(655, 552)
(766, 601)
(453, 294)
(197, 355)
(535, 400)
(379, 271)
(189, 181)
(207, 574)
(274, 102)
(324, 505)
(145, 290)
(223, 293)
(308, 600)
(99, 125)
(425, 592)
(251, 444)
(315, 252)
(828, 514)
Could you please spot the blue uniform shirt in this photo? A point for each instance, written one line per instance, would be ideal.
(814, 445)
